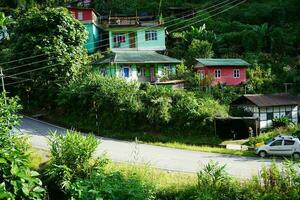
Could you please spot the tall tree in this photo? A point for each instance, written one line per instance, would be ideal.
(53, 40)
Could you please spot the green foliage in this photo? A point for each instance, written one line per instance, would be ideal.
(281, 122)
(199, 49)
(215, 183)
(122, 106)
(8, 114)
(264, 136)
(53, 40)
(111, 186)
(17, 180)
(71, 159)
(274, 183)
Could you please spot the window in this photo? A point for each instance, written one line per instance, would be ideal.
(80, 15)
(141, 71)
(289, 142)
(150, 35)
(167, 70)
(236, 73)
(270, 116)
(288, 114)
(277, 143)
(217, 73)
(118, 39)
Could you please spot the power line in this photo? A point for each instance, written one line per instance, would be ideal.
(26, 58)
(173, 31)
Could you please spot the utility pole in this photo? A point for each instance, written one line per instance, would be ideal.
(3, 86)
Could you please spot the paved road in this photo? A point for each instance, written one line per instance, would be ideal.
(158, 157)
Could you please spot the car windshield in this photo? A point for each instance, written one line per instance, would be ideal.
(269, 141)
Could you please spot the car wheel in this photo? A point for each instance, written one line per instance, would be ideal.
(296, 155)
(262, 154)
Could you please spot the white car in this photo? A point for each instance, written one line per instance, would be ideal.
(280, 145)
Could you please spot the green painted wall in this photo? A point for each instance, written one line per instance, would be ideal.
(114, 70)
(140, 40)
(94, 37)
(158, 44)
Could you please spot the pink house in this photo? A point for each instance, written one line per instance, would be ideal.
(222, 71)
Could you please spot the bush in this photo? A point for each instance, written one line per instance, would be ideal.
(111, 186)
(275, 183)
(71, 159)
(117, 105)
(17, 180)
(281, 122)
(215, 183)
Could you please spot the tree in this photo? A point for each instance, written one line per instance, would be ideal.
(198, 49)
(53, 40)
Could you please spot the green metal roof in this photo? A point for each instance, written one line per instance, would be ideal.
(222, 62)
(138, 57)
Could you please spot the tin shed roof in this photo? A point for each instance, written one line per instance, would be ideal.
(264, 100)
(222, 62)
(138, 57)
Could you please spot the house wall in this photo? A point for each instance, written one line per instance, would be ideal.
(94, 37)
(156, 45)
(86, 14)
(122, 45)
(115, 70)
(140, 40)
(226, 74)
(267, 114)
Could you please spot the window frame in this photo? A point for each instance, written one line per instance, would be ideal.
(271, 145)
(80, 15)
(119, 38)
(288, 141)
(217, 73)
(151, 35)
(236, 73)
(270, 113)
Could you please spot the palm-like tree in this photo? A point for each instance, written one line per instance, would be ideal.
(3, 29)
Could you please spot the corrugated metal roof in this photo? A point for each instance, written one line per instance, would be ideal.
(222, 62)
(138, 57)
(263, 100)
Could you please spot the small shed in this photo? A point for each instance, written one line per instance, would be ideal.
(267, 107)
(236, 127)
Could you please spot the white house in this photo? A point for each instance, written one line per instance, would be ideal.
(268, 107)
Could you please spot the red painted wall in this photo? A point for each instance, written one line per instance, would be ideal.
(87, 13)
(226, 74)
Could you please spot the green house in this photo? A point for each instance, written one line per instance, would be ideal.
(135, 43)
(142, 66)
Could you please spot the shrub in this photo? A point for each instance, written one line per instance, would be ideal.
(275, 182)
(71, 158)
(281, 122)
(215, 183)
(17, 180)
(111, 186)
(117, 105)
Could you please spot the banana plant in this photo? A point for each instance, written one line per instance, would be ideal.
(3, 29)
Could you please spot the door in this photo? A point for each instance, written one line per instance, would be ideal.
(288, 147)
(126, 72)
(132, 40)
(276, 148)
(152, 74)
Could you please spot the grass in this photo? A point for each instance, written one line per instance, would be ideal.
(205, 149)
(163, 180)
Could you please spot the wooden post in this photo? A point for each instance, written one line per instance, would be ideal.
(3, 86)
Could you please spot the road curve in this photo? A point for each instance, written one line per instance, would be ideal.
(158, 157)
